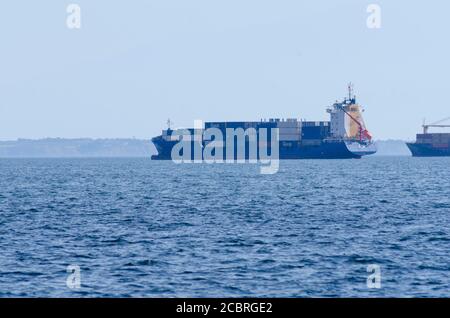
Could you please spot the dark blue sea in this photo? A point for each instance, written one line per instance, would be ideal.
(140, 228)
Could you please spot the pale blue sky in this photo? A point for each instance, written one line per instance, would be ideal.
(136, 63)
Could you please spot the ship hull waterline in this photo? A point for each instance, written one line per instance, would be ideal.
(326, 150)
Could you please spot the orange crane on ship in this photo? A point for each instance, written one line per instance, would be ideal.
(363, 132)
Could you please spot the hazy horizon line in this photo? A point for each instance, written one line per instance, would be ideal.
(124, 138)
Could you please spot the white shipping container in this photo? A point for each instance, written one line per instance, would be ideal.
(290, 137)
(289, 131)
(288, 124)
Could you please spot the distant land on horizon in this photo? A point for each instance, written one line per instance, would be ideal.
(77, 147)
(122, 147)
(392, 147)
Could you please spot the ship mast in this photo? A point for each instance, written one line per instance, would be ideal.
(169, 123)
(350, 91)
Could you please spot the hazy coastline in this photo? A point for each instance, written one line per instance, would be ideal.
(121, 147)
(77, 147)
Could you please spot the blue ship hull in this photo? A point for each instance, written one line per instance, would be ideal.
(427, 150)
(325, 150)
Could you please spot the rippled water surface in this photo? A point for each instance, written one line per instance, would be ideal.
(136, 227)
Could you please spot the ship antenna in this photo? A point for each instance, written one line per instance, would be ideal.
(169, 123)
(350, 91)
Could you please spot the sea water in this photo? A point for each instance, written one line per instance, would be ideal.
(136, 227)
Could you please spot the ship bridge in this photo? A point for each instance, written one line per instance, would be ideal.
(346, 120)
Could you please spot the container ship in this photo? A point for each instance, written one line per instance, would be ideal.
(344, 136)
(431, 144)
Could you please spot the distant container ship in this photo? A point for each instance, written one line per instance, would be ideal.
(431, 144)
(344, 136)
